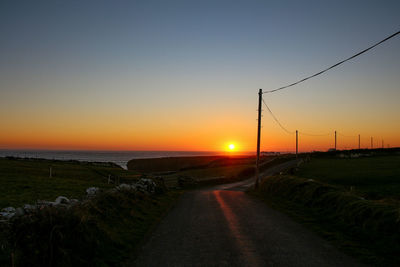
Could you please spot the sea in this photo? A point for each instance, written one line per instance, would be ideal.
(119, 157)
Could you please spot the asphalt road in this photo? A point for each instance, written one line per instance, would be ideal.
(223, 226)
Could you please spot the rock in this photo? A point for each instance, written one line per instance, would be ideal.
(29, 208)
(19, 212)
(146, 185)
(62, 200)
(126, 187)
(92, 191)
(7, 215)
(8, 209)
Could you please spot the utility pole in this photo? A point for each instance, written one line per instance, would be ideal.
(335, 140)
(258, 138)
(297, 143)
(372, 143)
(359, 143)
(382, 144)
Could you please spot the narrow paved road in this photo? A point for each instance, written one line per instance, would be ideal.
(223, 226)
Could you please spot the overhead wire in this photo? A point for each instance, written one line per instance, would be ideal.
(333, 66)
(299, 132)
(314, 75)
(277, 121)
(284, 128)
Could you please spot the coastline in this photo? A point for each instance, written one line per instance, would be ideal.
(120, 158)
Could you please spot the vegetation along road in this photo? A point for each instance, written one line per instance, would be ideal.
(224, 226)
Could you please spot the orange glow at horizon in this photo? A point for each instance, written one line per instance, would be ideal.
(146, 140)
(207, 131)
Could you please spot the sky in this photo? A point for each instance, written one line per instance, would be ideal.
(185, 75)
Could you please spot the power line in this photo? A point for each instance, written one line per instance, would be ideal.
(335, 65)
(277, 121)
(284, 128)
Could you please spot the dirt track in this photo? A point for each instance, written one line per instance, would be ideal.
(223, 226)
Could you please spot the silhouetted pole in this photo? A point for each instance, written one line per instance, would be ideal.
(335, 140)
(297, 143)
(359, 142)
(382, 144)
(258, 137)
(372, 142)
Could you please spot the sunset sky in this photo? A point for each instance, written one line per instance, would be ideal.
(184, 75)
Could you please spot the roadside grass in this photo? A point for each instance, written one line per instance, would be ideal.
(376, 178)
(27, 180)
(105, 231)
(368, 229)
(334, 231)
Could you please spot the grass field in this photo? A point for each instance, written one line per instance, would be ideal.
(371, 177)
(353, 203)
(184, 163)
(205, 169)
(25, 181)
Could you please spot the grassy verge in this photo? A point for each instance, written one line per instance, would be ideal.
(366, 229)
(27, 180)
(104, 231)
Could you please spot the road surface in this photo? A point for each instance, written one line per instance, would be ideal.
(223, 226)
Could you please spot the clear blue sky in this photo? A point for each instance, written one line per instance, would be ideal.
(136, 67)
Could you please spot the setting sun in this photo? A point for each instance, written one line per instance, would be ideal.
(231, 147)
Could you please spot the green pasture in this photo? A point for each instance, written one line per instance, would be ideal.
(373, 177)
(25, 181)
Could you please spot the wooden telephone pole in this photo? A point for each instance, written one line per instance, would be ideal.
(335, 140)
(258, 138)
(359, 143)
(297, 142)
